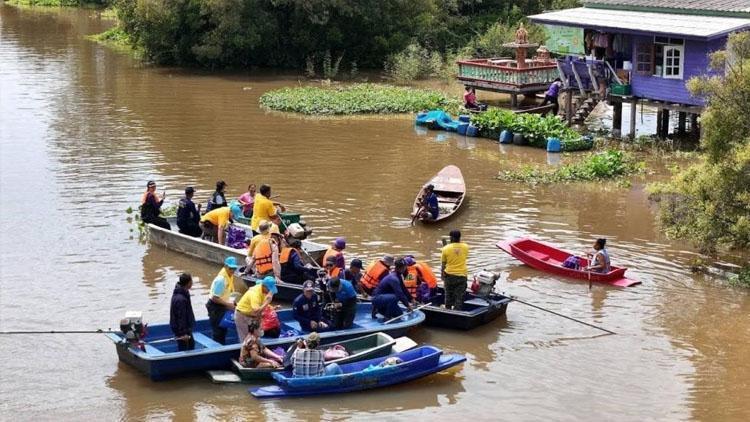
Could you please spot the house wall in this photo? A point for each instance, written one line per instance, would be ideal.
(674, 90)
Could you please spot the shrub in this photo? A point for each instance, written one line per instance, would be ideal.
(610, 164)
(356, 98)
(413, 63)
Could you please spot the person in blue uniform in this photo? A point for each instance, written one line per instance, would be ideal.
(188, 215)
(390, 292)
(345, 302)
(306, 309)
(429, 204)
(181, 317)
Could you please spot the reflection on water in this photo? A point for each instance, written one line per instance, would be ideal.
(82, 129)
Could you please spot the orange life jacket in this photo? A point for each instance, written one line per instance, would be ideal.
(426, 274)
(411, 280)
(263, 255)
(284, 255)
(335, 272)
(330, 252)
(373, 274)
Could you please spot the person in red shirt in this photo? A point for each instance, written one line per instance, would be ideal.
(470, 100)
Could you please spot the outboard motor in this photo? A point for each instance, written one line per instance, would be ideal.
(298, 230)
(484, 283)
(133, 328)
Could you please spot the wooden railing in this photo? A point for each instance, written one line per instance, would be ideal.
(484, 70)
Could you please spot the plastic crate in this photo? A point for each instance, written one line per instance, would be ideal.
(620, 89)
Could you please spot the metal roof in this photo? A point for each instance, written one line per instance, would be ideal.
(614, 20)
(707, 6)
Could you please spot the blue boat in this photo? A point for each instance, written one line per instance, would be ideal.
(161, 360)
(437, 120)
(364, 375)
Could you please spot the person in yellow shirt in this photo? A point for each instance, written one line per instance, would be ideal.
(264, 208)
(454, 271)
(251, 305)
(220, 299)
(215, 222)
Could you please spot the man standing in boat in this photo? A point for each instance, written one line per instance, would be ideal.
(220, 298)
(264, 209)
(181, 317)
(188, 215)
(454, 271)
(429, 204)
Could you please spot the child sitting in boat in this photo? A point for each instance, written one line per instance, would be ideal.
(308, 361)
(253, 354)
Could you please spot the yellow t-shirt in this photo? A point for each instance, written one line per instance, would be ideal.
(263, 209)
(251, 300)
(218, 217)
(255, 241)
(454, 256)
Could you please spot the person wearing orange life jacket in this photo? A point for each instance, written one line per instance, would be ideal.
(336, 250)
(375, 271)
(292, 268)
(417, 274)
(412, 280)
(331, 269)
(266, 255)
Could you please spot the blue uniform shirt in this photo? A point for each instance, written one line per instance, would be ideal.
(393, 284)
(306, 310)
(346, 292)
(432, 205)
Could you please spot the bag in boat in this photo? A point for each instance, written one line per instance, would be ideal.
(228, 320)
(335, 352)
(572, 262)
(269, 319)
(236, 238)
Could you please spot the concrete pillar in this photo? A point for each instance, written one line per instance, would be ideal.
(681, 123)
(664, 124)
(659, 121)
(633, 116)
(617, 119)
(513, 101)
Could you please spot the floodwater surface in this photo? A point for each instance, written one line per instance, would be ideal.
(82, 128)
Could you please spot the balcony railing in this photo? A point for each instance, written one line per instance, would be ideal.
(505, 72)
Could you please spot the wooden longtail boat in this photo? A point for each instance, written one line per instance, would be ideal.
(450, 189)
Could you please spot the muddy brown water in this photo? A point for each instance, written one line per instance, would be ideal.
(82, 128)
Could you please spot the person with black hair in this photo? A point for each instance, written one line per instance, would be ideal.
(599, 260)
(455, 271)
(264, 208)
(345, 302)
(151, 207)
(217, 199)
(181, 317)
(390, 292)
(188, 215)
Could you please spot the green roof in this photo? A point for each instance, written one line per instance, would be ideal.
(699, 7)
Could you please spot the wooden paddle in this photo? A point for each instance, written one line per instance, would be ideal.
(416, 215)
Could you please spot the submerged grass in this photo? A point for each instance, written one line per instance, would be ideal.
(605, 165)
(365, 98)
(116, 39)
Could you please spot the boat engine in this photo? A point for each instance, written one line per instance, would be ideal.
(484, 283)
(299, 230)
(133, 328)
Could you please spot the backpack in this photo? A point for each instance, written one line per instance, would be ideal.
(572, 262)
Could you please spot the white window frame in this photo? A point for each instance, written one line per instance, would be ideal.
(681, 49)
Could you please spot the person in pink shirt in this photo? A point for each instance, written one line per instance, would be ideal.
(247, 200)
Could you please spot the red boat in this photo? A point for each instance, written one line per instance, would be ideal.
(549, 259)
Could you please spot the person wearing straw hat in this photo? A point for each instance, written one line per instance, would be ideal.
(251, 305)
(220, 298)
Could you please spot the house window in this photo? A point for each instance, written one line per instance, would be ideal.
(674, 57)
(644, 58)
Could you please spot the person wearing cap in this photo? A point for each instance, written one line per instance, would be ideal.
(429, 204)
(376, 271)
(214, 224)
(345, 302)
(217, 199)
(293, 270)
(188, 215)
(151, 207)
(390, 292)
(220, 298)
(265, 258)
(354, 273)
(181, 317)
(419, 279)
(247, 200)
(250, 306)
(454, 270)
(336, 250)
(307, 310)
(309, 361)
(264, 208)
(331, 269)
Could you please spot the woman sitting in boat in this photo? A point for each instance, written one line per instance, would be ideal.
(151, 207)
(600, 258)
(253, 354)
(429, 204)
(470, 100)
(308, 361)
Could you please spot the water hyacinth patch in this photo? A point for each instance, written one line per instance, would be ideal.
(356, 99)
(609, 164)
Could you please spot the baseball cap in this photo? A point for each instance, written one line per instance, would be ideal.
(356, 263)
(387, 259)
(270, 283)
(231, 262)
(340, 243)
(309, 285)
(189, 189)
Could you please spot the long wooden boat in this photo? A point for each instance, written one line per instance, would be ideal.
(548, 258)
(476, 311)
(211, 251)
(451, 192)
(160, 359)
(366, 347)
(364, 375)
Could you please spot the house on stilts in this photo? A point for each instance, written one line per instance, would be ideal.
(635, 51)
